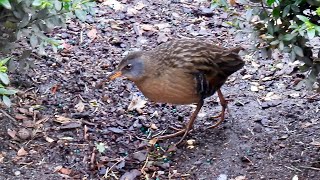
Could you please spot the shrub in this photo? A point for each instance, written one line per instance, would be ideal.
(4, 81)
(286, 25)
(29, 20)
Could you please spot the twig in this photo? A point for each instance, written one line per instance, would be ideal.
(109, 169)
(308, 167)
(293, 168)
(145, 164)
(8, 115)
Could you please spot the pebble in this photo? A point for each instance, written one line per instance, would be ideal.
(17, 173)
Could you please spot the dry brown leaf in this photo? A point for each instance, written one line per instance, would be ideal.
(62, 119)
(240, 178)
(147, 27)
(80, 106)
(140, 5)
(153, 126)
(137, 103)
(92, 34)
(12, 133)
(50, 140)
(153, 141)
(22, 152)
(115, 25)
(65, 171)
(114, 4)
(2, 157)
(315, 143)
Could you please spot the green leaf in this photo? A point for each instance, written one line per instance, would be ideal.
(293, 55)
(33, 41)
(270, 2)
(4, 91)
(295, 8)
(6, 4)
(298, 51)
(275, 42)
(6, 100)
(302, 18)
(37, 3)
(4, 78)
(276, 12)
(82, 15)
(289, 37)
(4, 61)
(281, 46)
(311, 33)
(58, 5)
(286, 11)
(101, 147)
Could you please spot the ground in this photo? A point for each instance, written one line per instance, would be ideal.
(62, 126)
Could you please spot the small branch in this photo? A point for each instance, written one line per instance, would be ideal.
(312, 168)
(8, 115)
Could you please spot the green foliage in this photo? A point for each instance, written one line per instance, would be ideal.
(4, 81)
(31, 19)
(286, 25)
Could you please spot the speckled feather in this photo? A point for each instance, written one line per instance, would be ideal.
(170, 69)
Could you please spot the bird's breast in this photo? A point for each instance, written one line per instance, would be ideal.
(175, 87)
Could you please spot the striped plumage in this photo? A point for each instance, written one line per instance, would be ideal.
(181, 71)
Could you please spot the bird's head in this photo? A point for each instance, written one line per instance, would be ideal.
(131, 67)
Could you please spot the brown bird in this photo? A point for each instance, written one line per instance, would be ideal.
(181, 71)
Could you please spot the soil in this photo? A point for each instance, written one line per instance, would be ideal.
(62, 126)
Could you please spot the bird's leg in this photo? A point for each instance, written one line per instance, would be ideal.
(188, 126)
(224, 104)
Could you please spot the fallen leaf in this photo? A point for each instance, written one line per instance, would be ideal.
(22, 152)
(153, 126)
(268, 78)
(12, 133)
(2, 155)
(114, 4)
(137, 103)
(101, 147)
(20, 117)
(80, 106)
(92, 34)
(191, 141)
(50, 140)
(62, 119)
(132, 175)
(153, 141)
(315, 143)
(140, 155)
(162, 38)
(271, 96)
(140, 5)
(247, 76)
(147, 27)
(132, 11)
(240, 178)
(65, 171)
(254, 88)
(115, 25)
(162, 25)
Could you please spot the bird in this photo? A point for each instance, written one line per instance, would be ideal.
(181, 71)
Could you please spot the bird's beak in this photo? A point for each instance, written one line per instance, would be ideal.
(111, 77)
(114, 75)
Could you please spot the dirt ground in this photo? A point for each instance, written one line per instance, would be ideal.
(61, 126)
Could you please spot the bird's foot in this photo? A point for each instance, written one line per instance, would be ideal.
(179, 132)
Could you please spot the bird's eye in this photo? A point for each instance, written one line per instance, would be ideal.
(129, 66)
